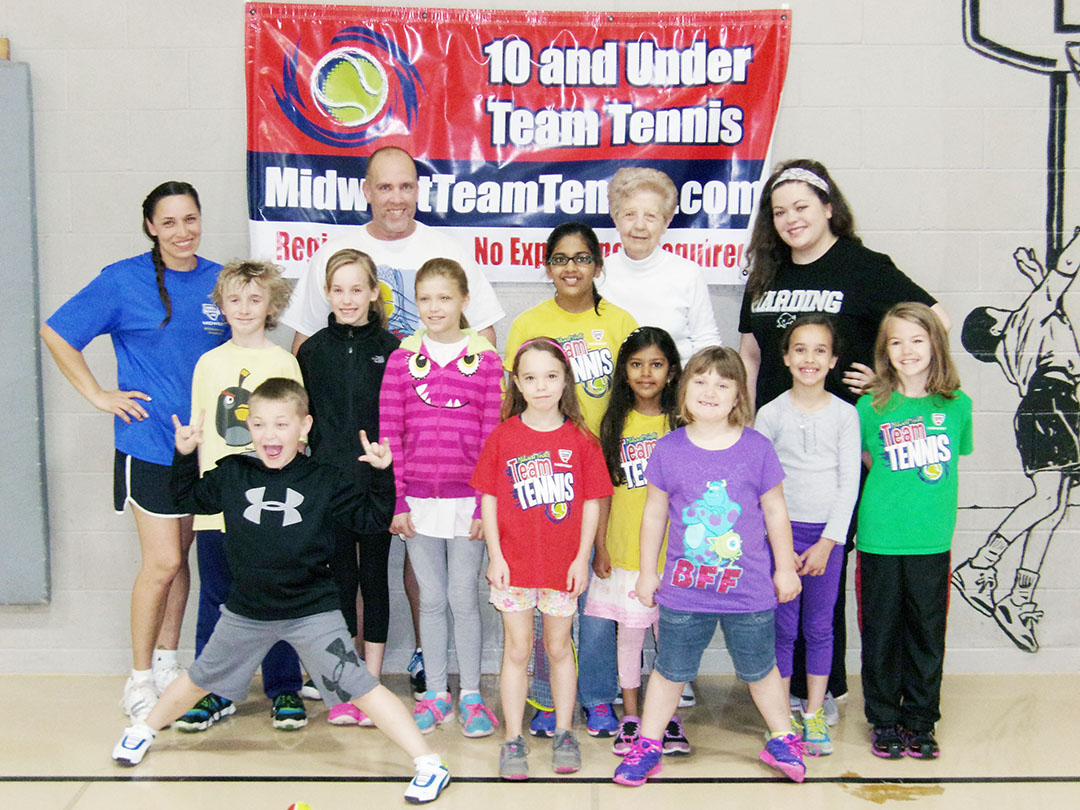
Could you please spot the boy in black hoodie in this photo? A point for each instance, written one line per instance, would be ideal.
(278, 507)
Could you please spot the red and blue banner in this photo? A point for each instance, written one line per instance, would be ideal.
(517, 119)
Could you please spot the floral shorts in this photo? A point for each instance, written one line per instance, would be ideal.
(546, 600)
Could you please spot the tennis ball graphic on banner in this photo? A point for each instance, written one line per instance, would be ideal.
(350, 86)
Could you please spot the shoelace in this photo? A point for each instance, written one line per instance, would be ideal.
(429, 705)
(635, 755)
(800, 748)
(816, 724)
(478, 709)
(602, 710)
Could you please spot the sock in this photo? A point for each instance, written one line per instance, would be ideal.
(467, 692)
(433, 760)
(142, 675)
(165, 659)
(144, 727)
(989, 554)
(1025, 585)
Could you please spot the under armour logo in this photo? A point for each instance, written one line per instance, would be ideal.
(292, 500)
(345, 657)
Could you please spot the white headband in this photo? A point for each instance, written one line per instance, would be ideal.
(804, 175)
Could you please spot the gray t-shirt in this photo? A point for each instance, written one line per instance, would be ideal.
(820, 453)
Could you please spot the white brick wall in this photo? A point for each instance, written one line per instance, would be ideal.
(940, 151)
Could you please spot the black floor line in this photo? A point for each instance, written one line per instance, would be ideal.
(583, 780)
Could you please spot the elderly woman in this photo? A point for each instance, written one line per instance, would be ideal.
(654, 285)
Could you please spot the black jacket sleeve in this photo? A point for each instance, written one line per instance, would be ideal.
(366, 507)
(200, 496)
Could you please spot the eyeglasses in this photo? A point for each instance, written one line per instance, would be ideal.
(559, 260)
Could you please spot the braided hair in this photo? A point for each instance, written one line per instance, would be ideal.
(168, 189)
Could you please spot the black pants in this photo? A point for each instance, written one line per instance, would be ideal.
(360, 561)
(903, 604)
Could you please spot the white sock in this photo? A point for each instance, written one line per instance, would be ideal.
(465, 692)
(142, 675)
(433, 760)
(143, 726)
(164, 659)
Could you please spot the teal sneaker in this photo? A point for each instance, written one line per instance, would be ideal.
(477, 720)
(205, 713)
(431, 710)
(816, 732)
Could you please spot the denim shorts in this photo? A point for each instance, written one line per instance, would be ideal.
(683, 637)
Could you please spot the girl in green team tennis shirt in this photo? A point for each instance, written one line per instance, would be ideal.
(915, 423)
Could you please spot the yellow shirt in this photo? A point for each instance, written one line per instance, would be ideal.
(628, 502)
(591, 342)
(221, 385)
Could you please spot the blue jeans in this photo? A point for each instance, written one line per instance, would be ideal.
(281, 666)
(683, 637)
(598, 671)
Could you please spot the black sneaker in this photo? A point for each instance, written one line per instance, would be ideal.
(887, 742)
(921, 744)
(288, 712)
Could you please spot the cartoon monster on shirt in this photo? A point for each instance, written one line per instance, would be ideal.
(708, 538)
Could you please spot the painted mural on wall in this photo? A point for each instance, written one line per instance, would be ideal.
(1034, 344)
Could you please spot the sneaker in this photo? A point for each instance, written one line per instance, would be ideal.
(832, 710)
(542, 724)
(565, 753)
(134, 744)
(785, 754)
(476, 719)
(887, 742)
(642, 761)
(600, 720)
(417, 679)
(432, 709)
(816, 732)
(921, 744)
(288, 712)
(795, 705)
(346, 714)
(164, 675)
(513, 764)
(309, 690)
(627, 736)
(687, 698)
(205, 713)
(1018, 619)
(428, 783)
(138, 699)
(976, 585)
(674, 741)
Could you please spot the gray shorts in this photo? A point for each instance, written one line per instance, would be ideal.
(238, 645)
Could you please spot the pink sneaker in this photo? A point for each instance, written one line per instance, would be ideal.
(346, 714)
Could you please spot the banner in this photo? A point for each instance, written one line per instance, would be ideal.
(517, 120)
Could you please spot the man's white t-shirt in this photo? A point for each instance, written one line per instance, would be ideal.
(397, 261)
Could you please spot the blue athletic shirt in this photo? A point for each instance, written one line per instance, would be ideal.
(123, 302)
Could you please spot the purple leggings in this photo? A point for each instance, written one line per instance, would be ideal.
(816, 605)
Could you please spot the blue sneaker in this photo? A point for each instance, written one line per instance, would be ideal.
(288, 712)
(542, 724)
(600, 720)
(205, 713)
(477, 720)
(417, 679)
(431, 710)
(785, 754)
(643, 761)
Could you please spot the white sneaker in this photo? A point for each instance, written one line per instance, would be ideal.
(164, 675)
(134, 744)
(832, 711)
(687, 698)
(428, 783)
(138, 699)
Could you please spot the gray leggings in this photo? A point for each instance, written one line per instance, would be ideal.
(447, 571)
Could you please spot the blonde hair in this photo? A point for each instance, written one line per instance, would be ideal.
(514, 402)
(451, 271)
(629, 181)
(725, 362)
(266, 275)
(941, 378)
(377, 308)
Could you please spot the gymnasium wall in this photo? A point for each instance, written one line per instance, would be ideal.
(941, 151)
